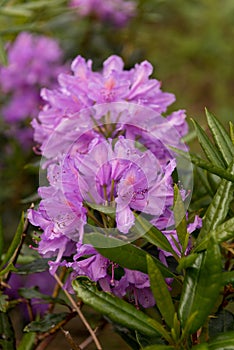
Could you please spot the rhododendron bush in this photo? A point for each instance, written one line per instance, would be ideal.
(124, 226)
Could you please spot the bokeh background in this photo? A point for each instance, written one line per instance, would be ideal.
(189, 43)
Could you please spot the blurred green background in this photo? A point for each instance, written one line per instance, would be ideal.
(190, 43)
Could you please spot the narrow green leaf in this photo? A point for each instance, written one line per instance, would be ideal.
(159, 347)
(108, 210)
(219, 207)
(47, 323)
(14, 244)
(38, 265)
(201, 287)
(186, 262)
(9, 267)
(231, 125)
(222, 233)
(116, 309)
(212, 154)
(7, 336)
(15, 11)
(180, 218)
(127, 255)
(3, 55)
(201, 163)
(33, 293)
(224, 341)
(4, 303)
(28, 341)
(161, 292)
(152, 234)
(221, 137)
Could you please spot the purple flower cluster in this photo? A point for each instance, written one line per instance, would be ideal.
(107, 159)
(33, 62)
(117, 12)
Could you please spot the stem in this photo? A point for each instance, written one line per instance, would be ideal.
(57, 289)
(82, 317)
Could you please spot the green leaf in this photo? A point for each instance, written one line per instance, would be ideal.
(15, 11)
(116, 309)
(3, 302)
(218, 208)
(38, 265)
(221, 137)
(180, 218)
(108, 210)
(3, 55)
(201, 163)
(28, 341)
(201, 287)
(232, 132)
(30, 293)
(186, 261)
(127, 255)
(7, 336)
(9, 256)
(152, 234)
(161, 293)
(47, 323)
(212, 154)
(222, 233)
(9, 267)
(224, 341)
(159, 347)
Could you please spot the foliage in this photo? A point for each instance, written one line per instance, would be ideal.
(194, 288)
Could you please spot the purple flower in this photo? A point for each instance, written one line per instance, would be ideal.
(33, 62)
(117, 12)
(41, 280)
(88, 262)
(85, 98)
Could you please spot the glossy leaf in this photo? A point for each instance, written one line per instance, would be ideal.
(27, 342)
(47, 323)
(219, 207)
(3, 302)
(186, 261)
(232, 132)
(204, 164)
(108, 210)
(127, 255)
(201, 287)
(222, 341)
(221, 137)
(152, 234)
(33, 293)
(3, 55)
(161, 292)
(7, 336)
(38, 265)
(116, 309)
(212, 154)
(15, 243)
(222, 233)
(180, 218)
